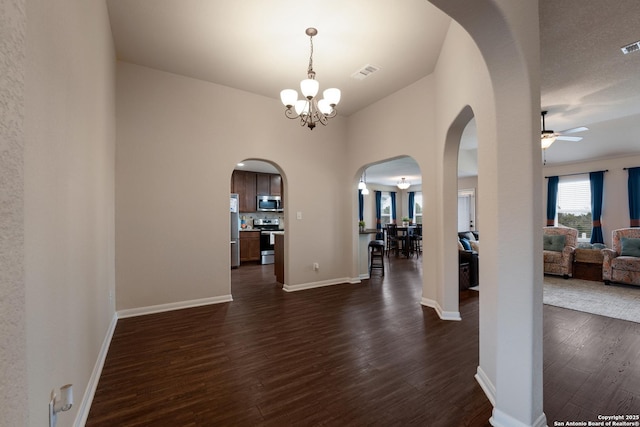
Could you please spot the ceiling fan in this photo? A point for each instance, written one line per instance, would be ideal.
(548, 137)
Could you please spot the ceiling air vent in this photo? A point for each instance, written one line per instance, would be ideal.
(633, 47)
(365, 72)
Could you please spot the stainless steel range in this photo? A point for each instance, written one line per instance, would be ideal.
(267, 239)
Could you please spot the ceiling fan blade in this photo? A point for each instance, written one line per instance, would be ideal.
(569, 138)
(574, 130)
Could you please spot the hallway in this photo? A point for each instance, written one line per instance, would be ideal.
(366, 354)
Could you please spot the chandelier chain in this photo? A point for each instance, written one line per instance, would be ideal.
(310, 72)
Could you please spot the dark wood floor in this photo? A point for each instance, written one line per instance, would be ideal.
(365, 354)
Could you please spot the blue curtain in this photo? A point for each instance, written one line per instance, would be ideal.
(597, 185)
(412, 200)
(360, 205)
(634, 196)
(393, 207)
(552, 199)
(378, 211)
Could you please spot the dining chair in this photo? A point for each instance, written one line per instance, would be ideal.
(416, 240)
(392, 238)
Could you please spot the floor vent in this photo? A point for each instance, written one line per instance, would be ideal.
(365, 72)
(633, 47)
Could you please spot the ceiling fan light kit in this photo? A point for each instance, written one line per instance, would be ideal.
(309, 109)
(548, 137)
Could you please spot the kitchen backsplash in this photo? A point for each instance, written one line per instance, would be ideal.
(249, 217)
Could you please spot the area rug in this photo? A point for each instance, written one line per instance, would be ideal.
(617, 301)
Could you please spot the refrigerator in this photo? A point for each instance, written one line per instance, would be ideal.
(235, 232)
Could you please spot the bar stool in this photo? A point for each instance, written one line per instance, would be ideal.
(376, 255)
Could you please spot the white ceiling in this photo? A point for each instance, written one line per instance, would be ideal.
(261, 47)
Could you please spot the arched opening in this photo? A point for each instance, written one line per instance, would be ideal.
(390, 208)
(468, 220)
(257, 224)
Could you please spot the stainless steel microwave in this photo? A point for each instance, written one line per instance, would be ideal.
(269, 204)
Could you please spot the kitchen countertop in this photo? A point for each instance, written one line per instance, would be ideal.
(370, 231)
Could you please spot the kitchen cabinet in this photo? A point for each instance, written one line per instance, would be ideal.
(275, 185)
(269, 184)
(263, 184)
(244, 184)
(249, 246)
(248, 185)
(278, 267)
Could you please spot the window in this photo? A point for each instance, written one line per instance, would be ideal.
(574, 204)
(466, 209)
(385, 207)
(417, 207)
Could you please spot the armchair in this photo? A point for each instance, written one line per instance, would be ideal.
(559, 246)
(621, 263)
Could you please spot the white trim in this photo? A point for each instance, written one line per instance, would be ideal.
(321, 284)
(486, 385)
(90, 391)
(444, 315)
(364, 276)
(500, 419)
(87, 399)
(141, 311)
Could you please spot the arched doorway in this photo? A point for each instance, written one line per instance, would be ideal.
(382, 201)
(257, 220)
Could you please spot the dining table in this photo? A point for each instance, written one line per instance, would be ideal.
(404, 235)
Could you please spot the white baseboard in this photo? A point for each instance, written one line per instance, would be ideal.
(486, 385)
(444, 315)
(141, 311)
(321, 284)
(90, 391)
(87, 399)
(500, 419)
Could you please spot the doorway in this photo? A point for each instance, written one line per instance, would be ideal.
(259, 187)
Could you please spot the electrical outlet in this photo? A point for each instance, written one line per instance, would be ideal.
(298, 215)
(53, 417)
(316, 266)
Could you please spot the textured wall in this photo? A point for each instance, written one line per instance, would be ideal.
(13, 382)
(69, 248)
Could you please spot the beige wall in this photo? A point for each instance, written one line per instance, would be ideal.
(175, 157)
(13, 319)
(178, 142)
(615, 202)
(69, 197)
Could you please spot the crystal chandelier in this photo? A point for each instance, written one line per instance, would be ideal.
(309, 110)
(403, 185)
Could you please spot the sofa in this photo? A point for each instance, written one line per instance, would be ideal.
(468, 254)
(621, 263)
(559, 245)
